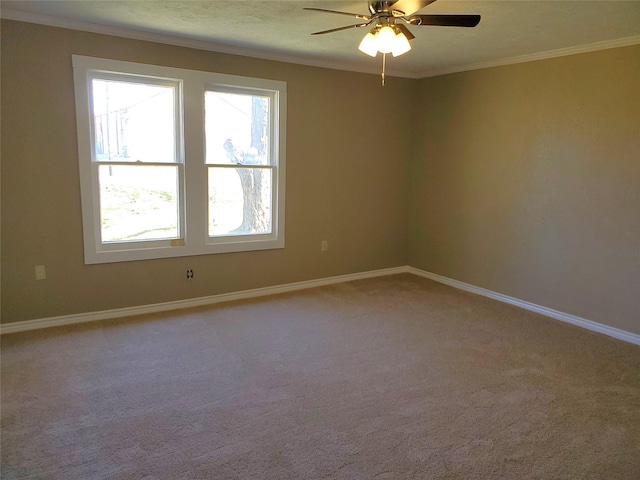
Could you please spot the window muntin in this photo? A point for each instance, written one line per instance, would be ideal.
(189, 195)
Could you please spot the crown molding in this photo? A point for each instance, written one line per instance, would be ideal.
(532, 57)
(194, 43)
(144, 35)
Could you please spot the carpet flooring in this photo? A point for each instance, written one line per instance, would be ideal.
(396, 377)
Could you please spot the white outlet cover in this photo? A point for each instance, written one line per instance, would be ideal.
(41, 274)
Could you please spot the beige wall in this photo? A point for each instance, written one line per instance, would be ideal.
(522, 179)
(343, 184)
(526, 181)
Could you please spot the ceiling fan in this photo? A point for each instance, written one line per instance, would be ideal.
(389, 20)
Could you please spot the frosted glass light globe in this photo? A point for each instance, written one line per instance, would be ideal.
(386, 39)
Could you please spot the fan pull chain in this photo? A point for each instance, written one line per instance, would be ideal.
(384, 66)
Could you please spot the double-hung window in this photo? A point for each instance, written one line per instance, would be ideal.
(177, 162)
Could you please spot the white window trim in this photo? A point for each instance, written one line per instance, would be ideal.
(193, 207)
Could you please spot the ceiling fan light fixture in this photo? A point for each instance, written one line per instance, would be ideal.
(401, 45)
(389, 34)
(369, 45)
(386, 39)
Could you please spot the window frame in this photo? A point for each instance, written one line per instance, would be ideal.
(190, 158)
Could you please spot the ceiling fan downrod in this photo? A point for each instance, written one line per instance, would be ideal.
(384, 66)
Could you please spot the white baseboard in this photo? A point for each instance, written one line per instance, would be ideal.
(23, 326)
(26, 325)
(547, 312)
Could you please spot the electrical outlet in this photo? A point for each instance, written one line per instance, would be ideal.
(189, 274)
(324, 245)
(41, 274)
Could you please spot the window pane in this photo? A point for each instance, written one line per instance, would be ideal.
(138, 202)
(236, 128)
(239, 201)
(133, 122)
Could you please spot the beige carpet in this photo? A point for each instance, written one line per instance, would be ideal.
(389, 378)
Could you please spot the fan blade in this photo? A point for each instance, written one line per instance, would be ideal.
(410, 6)
(356, 15)
(445, 20)
(407, 33)
(358, 25)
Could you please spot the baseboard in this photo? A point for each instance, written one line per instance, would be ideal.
(23, 326)
(548, 312)
(26, 325)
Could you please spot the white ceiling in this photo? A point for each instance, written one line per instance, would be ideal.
(510, 30)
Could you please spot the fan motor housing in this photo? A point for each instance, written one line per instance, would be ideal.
(381, 7)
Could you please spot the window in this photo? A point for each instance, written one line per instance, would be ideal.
(177, 162)
(238, 161)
